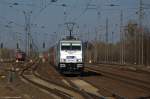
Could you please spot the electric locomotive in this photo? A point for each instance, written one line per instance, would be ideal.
(68, 57)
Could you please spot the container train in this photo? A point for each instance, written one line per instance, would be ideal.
(67, 56)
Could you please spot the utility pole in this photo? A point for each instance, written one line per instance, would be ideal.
(89, 54)
(106, 40)
(27, 30)
(43, 3)
(135, 48)
(141, 33)
(96, 47)
(65, 12)
(17, 43)
(0, 48)
(121, 39)
(112, 57)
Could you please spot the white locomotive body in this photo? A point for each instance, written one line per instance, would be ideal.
(69, 56)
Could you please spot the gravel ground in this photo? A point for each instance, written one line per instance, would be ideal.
(104, 85)
(107, 86)
(116, 86)
(48, 72)
(17, 88)
(22, 90)
(144, 76)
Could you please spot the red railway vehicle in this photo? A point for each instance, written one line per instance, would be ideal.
(20, 56)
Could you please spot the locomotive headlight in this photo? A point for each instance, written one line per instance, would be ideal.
(62, 65)
(63, 60)
(79, 60)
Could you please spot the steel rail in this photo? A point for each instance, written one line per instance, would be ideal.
(75, 87)
(127, 80)
(123, 65)
(63, 91)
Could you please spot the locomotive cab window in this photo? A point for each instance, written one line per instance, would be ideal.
(70, 46)
(65, 46)
(76, 47)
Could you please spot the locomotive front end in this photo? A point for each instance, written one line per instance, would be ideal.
(71, 57)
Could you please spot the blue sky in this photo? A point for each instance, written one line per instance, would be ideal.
(51, 19)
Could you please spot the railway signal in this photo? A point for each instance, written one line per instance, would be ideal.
(30, 46)
(17, 46)
(43, 44)
(1, 45)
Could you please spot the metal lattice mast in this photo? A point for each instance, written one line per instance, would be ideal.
(142, 33)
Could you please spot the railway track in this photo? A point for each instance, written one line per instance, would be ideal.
(71, 85)
(126, 79)
(29, 75)
(58, 90)
(128, 67)
(77, 82)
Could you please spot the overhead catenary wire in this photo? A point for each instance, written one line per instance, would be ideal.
(10, 4)
(84, 11)
(11, 21)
